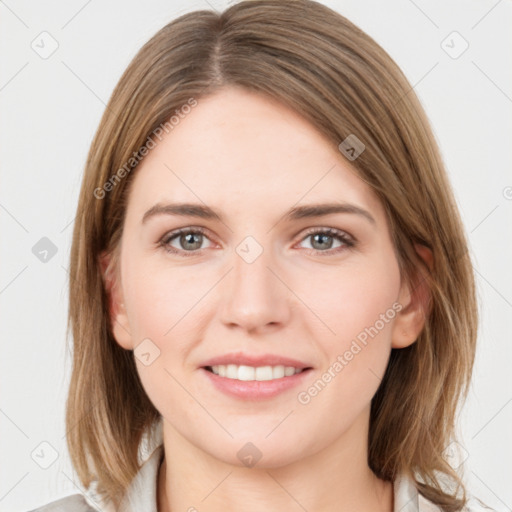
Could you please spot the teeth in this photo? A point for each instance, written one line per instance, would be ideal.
(233, 371)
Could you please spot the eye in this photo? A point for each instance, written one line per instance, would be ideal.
(189, 240)
(322, 240)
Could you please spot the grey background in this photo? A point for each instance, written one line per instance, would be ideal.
(50, 108)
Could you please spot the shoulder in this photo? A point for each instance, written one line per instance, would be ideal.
(73, 503)
(425, 505)
(409, 499)
(473, 505)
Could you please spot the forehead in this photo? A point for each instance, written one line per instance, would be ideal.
(242, 149)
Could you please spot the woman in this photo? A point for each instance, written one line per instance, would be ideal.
(270, 288)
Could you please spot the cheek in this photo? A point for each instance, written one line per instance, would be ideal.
(159, 299)
(347, 299)
(351, 299)
(161, 308)
(357, 306)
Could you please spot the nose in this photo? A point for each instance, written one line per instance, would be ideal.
(254, 297)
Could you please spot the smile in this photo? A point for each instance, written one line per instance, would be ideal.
(255, 382)
(259, 373)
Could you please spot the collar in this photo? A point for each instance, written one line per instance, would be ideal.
(141, 494)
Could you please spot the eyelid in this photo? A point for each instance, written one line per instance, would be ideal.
(329, 230)
(347, 239)
(170, 235)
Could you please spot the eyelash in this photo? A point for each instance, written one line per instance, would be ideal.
(348, 241)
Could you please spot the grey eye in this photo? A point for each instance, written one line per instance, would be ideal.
(321, 241)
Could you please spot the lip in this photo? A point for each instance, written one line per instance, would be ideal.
(255, 389)
(240, 358)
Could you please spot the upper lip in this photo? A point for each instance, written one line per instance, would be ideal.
(239, 358)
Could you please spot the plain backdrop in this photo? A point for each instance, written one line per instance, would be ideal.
(50, 108)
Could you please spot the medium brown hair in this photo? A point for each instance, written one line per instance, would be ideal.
(317, 62)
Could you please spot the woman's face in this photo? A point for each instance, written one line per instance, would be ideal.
(264, 280)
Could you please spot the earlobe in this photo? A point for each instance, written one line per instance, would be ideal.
(117, 311)
(415, 301)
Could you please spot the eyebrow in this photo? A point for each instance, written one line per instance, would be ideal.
(295, 213)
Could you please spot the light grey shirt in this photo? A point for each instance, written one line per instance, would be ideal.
(141, 495)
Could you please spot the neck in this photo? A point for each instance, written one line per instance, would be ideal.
(334, 479)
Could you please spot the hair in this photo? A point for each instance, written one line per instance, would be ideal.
(325, 68)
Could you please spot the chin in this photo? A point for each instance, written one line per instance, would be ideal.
(254, 451)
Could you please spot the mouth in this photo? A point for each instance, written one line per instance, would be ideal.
(255, 383)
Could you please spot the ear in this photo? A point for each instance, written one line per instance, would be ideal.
(415, 301)
(117, 311)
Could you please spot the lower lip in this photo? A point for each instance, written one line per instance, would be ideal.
(255, 389)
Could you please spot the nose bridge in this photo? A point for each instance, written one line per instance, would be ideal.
(255, 297)
(251, 264)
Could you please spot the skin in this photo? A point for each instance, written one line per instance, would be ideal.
(252, 159)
